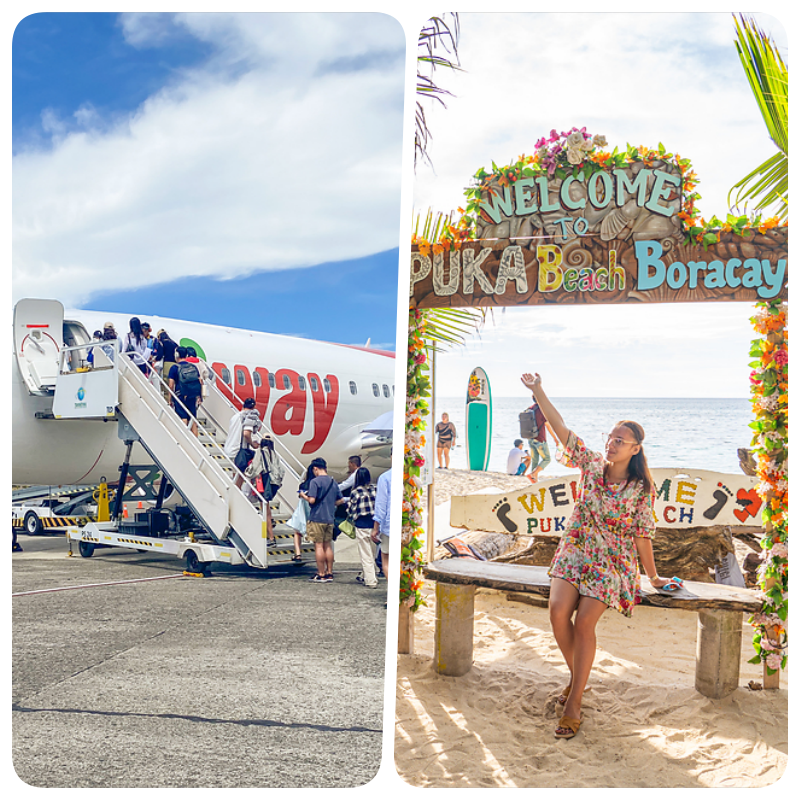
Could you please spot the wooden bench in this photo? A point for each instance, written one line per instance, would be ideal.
(719, 615)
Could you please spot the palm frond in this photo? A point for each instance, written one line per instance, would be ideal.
(438, 33)
(451, 327)
(768, 76)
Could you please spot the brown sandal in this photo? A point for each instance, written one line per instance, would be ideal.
(569, 726)
(562, 698)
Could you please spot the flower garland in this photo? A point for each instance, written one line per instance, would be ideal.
(418, 387)
(769, 382)
(573, 151)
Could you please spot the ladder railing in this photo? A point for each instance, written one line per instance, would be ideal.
(208, 489)
(219, 409)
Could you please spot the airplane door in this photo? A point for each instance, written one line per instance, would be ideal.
(38, 334)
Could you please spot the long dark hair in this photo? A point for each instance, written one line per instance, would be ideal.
(363, 477)
(637, 467)
(309, 477)
(136, 329)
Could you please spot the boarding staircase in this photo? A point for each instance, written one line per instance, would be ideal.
(196, 465)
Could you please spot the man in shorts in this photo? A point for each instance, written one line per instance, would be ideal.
(518, 459)
(446, 437)
(323, 495)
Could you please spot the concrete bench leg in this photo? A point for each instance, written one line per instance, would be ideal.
(455, 611)
(719, 651)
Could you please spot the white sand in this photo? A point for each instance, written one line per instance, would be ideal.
(644, 723)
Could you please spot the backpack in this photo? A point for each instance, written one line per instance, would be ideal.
(189, 380)
(530, 423)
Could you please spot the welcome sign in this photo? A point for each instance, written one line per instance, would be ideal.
(575, 224)
(684, 499)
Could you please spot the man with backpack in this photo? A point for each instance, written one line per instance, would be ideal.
(240, 442)
(185, 383)
(534, 427)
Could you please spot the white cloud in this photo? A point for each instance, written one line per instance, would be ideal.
(638, 78)
(272, 154)
(641, 78)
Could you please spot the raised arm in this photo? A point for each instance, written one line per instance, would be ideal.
(556, 421)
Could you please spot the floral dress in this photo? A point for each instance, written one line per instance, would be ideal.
(597, 552)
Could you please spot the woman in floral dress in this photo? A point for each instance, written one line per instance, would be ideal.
(596, 564)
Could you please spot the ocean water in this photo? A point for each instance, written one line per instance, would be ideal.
(700, 433)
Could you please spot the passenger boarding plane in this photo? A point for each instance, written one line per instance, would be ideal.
(315, 397)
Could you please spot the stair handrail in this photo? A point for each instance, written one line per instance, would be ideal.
(214, 444)
(144, 384)
(290, 461)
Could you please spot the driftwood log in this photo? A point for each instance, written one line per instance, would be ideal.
(691, 553)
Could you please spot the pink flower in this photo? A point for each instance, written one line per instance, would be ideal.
(419, 358)
(774, 660)
(781, 357)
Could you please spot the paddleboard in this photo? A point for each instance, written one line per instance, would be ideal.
(479, 420)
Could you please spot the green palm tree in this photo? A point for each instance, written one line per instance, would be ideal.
(767, 184)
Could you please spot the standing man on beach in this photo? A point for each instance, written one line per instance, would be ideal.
(539, 449)
(446, 436)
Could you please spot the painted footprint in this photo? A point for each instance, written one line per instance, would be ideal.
(721, 498)
(501, 509)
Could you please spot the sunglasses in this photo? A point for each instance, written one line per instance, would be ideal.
(616, 441)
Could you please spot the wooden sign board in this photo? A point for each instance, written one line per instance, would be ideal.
(586, 270)
(685, 498)
(594, 235)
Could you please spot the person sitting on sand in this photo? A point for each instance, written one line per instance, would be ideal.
(518, 459)
(595, 565)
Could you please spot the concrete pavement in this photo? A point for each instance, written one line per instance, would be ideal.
(240, 679)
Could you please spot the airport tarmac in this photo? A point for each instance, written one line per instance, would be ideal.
(240, 679)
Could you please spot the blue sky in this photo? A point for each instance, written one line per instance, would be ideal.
(238, 169)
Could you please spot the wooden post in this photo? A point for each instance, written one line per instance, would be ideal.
(770, 681)
(452, 643)
(719, 651)
(429, 539)
(405, 629)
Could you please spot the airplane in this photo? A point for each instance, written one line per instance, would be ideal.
(315, 397)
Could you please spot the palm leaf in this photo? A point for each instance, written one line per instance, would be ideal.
(768, 76)
(437, 34)
(446, 327)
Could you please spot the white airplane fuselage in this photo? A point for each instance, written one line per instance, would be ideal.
(315, 397)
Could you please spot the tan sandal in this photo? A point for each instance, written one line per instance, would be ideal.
(569, 726)
(562, 698)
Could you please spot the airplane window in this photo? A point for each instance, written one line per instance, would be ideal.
(226, 375)
(353, 387)
(256, 380)
(392, 390)
(240, 377)
(287, 384)
(314, 384)
(376, 390)
(301, 382)
(271, 380)
(326, 384)
(385, 390)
